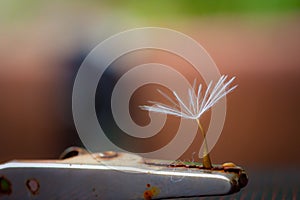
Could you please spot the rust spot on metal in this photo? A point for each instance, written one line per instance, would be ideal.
(147, 195)
(5, 186)
(33, 186)
(151, 192)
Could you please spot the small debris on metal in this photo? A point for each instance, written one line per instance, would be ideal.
(229, 164)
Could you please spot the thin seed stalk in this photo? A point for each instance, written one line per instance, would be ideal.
(206, 158)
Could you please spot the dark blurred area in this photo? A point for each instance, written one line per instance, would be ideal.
(42, 45)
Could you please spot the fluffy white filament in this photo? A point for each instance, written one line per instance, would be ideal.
(198, 104)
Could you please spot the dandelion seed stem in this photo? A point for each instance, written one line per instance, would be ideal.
(206, 158)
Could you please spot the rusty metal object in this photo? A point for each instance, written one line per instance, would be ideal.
(112, 175)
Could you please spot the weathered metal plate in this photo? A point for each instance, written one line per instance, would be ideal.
(103, 176)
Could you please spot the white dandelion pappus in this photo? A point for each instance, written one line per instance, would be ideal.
(197, 104)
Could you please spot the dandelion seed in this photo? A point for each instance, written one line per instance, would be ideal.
(196, 107)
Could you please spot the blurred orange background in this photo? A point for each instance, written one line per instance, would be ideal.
(43, 44)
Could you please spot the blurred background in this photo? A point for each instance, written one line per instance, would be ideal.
(42, 44)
